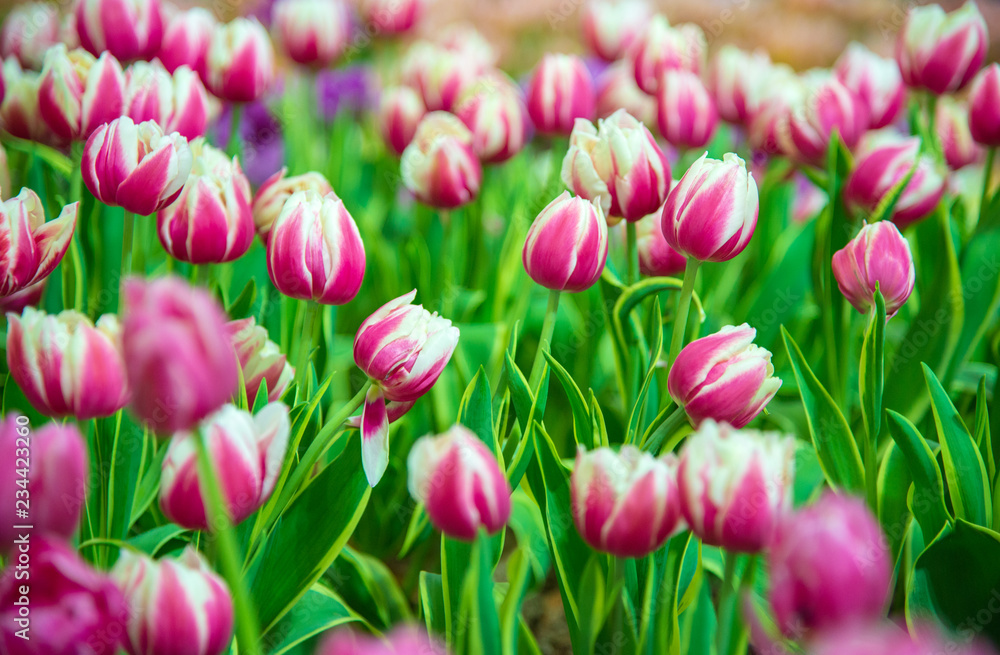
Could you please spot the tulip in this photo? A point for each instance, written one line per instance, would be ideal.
(314, 250)
(941, 52)
(610, 28)
(878, 256)
(560, 91)
(405, 640)
(78, 93)
(881, 637)
(734, 78)
(67, 366)
(829, 566)
(624, 503)
(177, 103)
(439, 74)
(276, 190)
(656, 257)
(179, 360)
(495, 113)
(32, 247)
(439, 166)
(54, 459)
(616, 89)
(881, 165)
(240, 61)
(136, 167)
(260, 359)
(875, 81)
(469, 43)
(210, 222)
(711, 213)
(567, 245)
(186, 41)
(252, 448)
(29, 30)
(984, 112)
(311, 32)
(459, 482)
(827, 106)
(128, 29)
(661, 47)
(402, 348)
(399, 113)
(952, 124)
(735, 485)
(724, 377)
(176, 605)
(390, 17)
(19, 113)
(685, 112)
(28, 297)
(771, 101)
(73, 608)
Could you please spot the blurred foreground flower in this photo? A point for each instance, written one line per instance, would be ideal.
(567, 245)
(439, 166)
(878, 256)
(881, 637)
(939, 51)
(405, 640)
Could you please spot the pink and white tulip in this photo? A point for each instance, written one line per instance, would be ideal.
(459, 482)
(656, 257)
(78, 94)
(440, 166)
(878, 256)
(403, 640)
(311, 32)
(826, 107)
(177, 103)
(616, 89)
(685, 112)
(661, 47)
(402, 348)
(16, 302)
(952, 125)
(276, 190)
(19, 114)
(734, 76)
(391, 17)
(567, 245)
(984, 106)
(186, 40)
(881, 637)
(439, 74)
(314, 250)
(724, 377)
(260, 359)
(136, 167)
(875, 81)
(128, 29)
(29, 30)
(469, 43)
(240, 61)
(560, 92)
(736, 485)
(771, 101)
(624, 503)
(610, 28)
(941, 52)
(400, 111)
(495, 113)
(33, 247)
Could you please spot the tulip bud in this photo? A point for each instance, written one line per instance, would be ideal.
(875, 81)
(458, 480)
(733, 79)
(19, 113)
(661, 47)
(685, 112)
(882, 164)
(610, 28)
(624, 503)
(55, 470)
(136, 167)
(567, 245)
(829, 566)
(827, 106)
(33, 247)
(311, 32)
(260, 358)
(941, 52)
(29, 30)
(179, 360)
(252, 448)
(952, 124)
(771, 100)
(881, 637)
(495, 113)
(77, 93)
(177, 103)
(402, 348)
(724, 377)
(560, 91)
(439, 74)
(128, 29)
(735, 485)
(399, 113)
(656, 257)
(405, 640)
(71, 604)
(711, 213)
(276, 190)
(314, 250)
(240, 61)
(878, 255)
(984, 106)
(439, 166)
(616, 89)
(390, 17)
(186, 40)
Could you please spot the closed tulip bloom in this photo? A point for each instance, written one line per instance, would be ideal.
(733, 78)
(19, 115)
(878, 255)
(567, 245)
(78, 93)
(311, 32)
(495, 113)
(661, 47)
(941, 52)
(403, 640)
(439, 74)
(736, 485)
(882, 164)
(439, 166)
(314, 250)
(560, 92)
(32, 246)
(827, 106)
(252, 448)
(391, 17)
(685, 112)
(984, 106)
(240, 61)
(656, 257)
(186, 40)
(260, 359)
(136, 167)
(459, 482)
(616, 89)
(711, 213)
(210, 222)
(276, 190)
(771, 101)
(875, 81)
(952, 124)
(29, 30)
(829, 566)
(402, 348)
(66, 365)
(178, 356)
(176, 605)
(624, 503)
(400, 111)
(177, 103)
(724, 376)
(57, 478)
(881, 637)
(469, 43)
(128, 29)
(610, 28)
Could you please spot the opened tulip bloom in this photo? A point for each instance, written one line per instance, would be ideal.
(560, 92)
(661, 47)
(879, 256)
(459, 482)
(260, 359)
(276, 190)
(875, 81)
(494, 112)
(240, 61)
(391, 17)
(128, 29)
(567, 245)
(941, 52)
(685, 112)
(656, 257)
(440, 166)
(734, 78)
(33, 247)
(29, 30)
(311, 32)
(177, 102)
(402, 348)
(610, 28)
(186, 40)
(79, 93)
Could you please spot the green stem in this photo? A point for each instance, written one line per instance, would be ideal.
(141, 237)
(726, 601)
(655, 441)
(310, 312)
(233, 145)
(545, 341)
(871, 473)
(247, 631)
(991, 154)
(632, 253)
(127, 233)
(76, 259)
(683, 306)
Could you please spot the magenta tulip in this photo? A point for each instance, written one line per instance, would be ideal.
(128, 29)
(560, 91)
(941, 52)
(186, 40)
(879, 256)
(734, 78)
(610, 28)
(661, 47)
(400, 111)
(78, 94)
(440, 166)
(685, 112)
(984, 107)
(875, 81)
(495, 113)
(311, 32)
(656, 257)
(404, 640)
(260, 359)
(240, 61)
(441, 75)
(616, 89)
(952, 125)
(391, 17)
(826, 107)
(177, 102)
(29, 30)
(19, 114)
(32, 247)
(272, 195)
(567, 245)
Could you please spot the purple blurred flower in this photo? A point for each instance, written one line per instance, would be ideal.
(263, 151)
(352, 88)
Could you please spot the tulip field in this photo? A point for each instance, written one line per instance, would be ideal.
(331, 326)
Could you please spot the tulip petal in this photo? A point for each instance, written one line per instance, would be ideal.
(52, 241)
(374, 435)
(272, 428)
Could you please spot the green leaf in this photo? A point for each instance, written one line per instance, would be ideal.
(582, 429)
(529, 528)
(927, 500)
(519, 574)
(980, 288)
(151, 541)
(871, 375)
(456, 566)
(479, 608)
(319, 610)
(432, 602)
(667, 629)
(893, 510)
(476, 411)
(369, 587)
(240, 308)
(983, 437)
(634, 295)
(639, 408)
(149, 486)
(592, 610)
(888, 202)
(15, 401)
